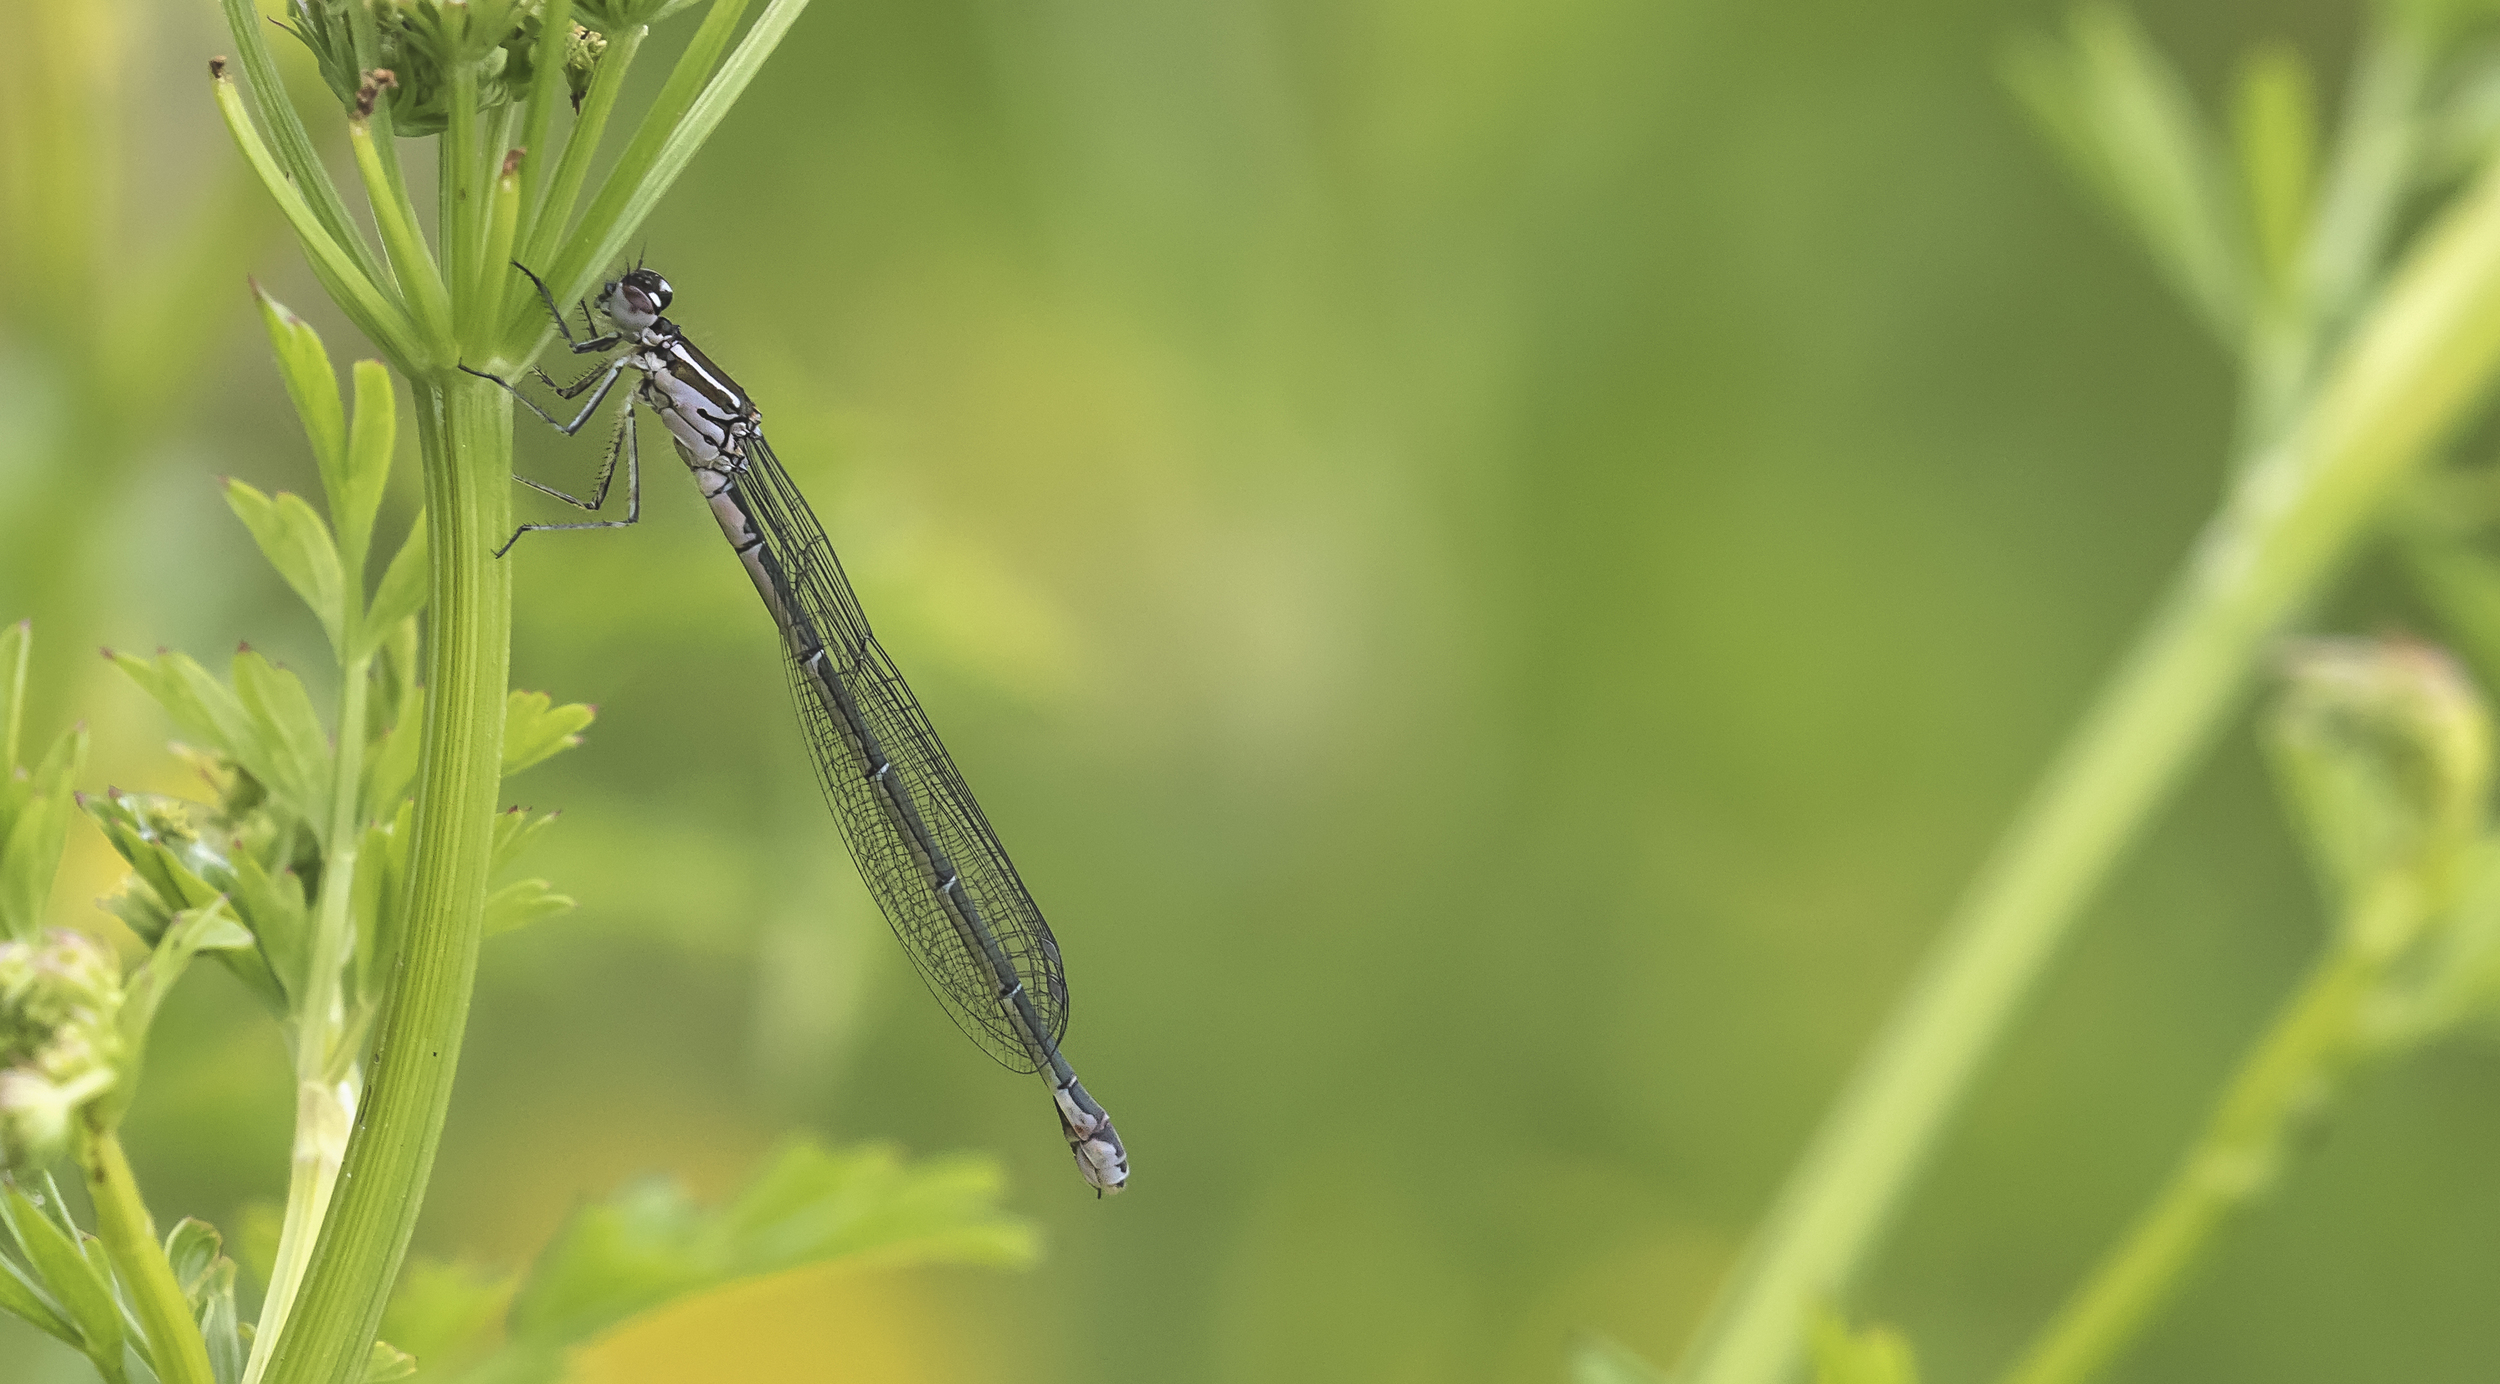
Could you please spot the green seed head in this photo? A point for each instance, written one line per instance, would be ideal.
(60, 1040)
(421, 46)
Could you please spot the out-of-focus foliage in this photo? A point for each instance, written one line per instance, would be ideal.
(653, 1246)
(1496, 565)
(37, 801)
(1874, 1355)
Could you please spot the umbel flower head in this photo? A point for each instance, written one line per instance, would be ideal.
(421, 44)
(60, 1040)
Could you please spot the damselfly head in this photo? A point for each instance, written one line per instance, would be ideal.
(636, 300)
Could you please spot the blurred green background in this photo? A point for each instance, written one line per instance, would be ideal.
(1497, 565)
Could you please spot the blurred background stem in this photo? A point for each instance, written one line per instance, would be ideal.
(2420, 356)
(2285, 1076)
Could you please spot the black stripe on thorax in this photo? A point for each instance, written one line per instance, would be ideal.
(695, 370)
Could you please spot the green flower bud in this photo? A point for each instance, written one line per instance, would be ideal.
(2386, 749)
(615, 15)
(60, 1040)
(420, 44)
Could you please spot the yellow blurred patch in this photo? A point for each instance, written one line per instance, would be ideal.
(837, 1325)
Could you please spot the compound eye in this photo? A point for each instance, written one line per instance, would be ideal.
(660, 294)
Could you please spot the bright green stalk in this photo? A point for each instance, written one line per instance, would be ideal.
(464, 431)
(495, 274)
(177, 1350)
(356, 293)
(458, 152)
(2418, 360)
(538, 130)
(633, 165)
(556, 212)
(304, 168)
(611, 222)
(419, 280)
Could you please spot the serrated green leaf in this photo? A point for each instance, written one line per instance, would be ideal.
(60, 766)
(15, 642)
(402, 592)
(535, 729)
(609, 1262)
(368, 471)
(172, 872)
(314, 386)
(273, 907)
(443, 1313)
(387, 1362)
(296, 750)
(173, 879)
(515, 831)
(652, 1245)
(205, 709)
(299, 545)
(22, 1298)
(812, 1204)
(83, 1291)
(202, 929)
(522, 902)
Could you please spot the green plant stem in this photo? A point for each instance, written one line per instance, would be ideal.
(2227, 1169)
(2292, 1067)
(177, 1350)
(464, 433)
(555, 214)
(324, 1061)
(2421, 355)
(538, 131)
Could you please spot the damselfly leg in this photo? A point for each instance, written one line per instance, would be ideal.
(598, 340)
(623, 442)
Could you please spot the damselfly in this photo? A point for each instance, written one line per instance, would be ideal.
(919, 838)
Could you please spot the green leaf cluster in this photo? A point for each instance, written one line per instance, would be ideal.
(282, 787)
(452, 68)
(653, 1245)
(57, 1277)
